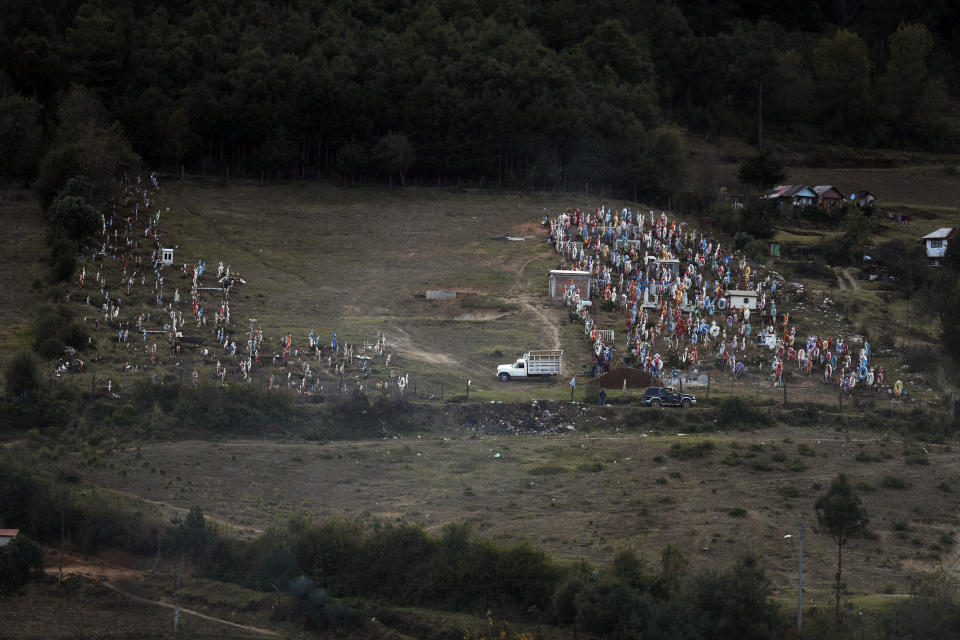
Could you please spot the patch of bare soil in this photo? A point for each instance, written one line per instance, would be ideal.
(404, 345)
(109, 575)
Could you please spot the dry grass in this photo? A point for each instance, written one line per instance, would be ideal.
(581, 494)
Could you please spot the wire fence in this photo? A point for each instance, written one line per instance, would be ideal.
(335, 387)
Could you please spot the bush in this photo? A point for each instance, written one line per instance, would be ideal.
(741, 239)
(23, 377)
(921, 358)
(893, 482)
(18, 558)
(50, 348)
(72, 218)
(735, 412)
(63, 261)
(688, 451)
(75, 335)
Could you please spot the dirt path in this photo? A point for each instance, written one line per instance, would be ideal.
(545, 321)
(530, 305)
(105, 574)
(854, 283)
(404, 346)
(171, 507)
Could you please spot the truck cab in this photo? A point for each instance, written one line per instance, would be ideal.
(516, 370)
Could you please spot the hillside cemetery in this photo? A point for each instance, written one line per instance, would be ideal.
(687, 302)
(159, 307)
(687, 305)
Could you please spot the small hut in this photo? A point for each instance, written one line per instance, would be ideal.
(742, 298)
(562, 279)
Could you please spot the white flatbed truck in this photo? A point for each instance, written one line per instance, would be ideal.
(542, 364)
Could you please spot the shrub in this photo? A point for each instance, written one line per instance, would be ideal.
(913, 453)
(735, 412)
(921, 358)
(688, 451)
(591, 467)
(17, 559)
(63, 262)
(547, 470)
(789, 491)
(72, 218)
(23, 376)
(732, 459)
(893, 482)
(738, 512)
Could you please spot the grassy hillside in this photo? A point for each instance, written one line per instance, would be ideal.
(578, 481)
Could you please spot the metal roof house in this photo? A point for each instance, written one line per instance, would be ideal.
(798, 195)
(935, 244)
(6, 535)
(828, 196)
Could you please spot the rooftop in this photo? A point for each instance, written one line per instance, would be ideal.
(943, 233)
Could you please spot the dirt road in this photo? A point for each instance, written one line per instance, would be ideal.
(107, 575)
(846, 280)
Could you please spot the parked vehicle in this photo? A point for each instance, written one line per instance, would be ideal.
(535, 363)
(667, 397)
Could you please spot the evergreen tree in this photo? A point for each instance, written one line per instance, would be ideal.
(841, 515)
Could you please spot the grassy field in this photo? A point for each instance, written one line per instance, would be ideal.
(326, 258)
(625, 482)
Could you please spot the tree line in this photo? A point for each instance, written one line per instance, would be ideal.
(535, 93)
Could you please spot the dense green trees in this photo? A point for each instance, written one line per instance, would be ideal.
(193, 536)
(553, 94)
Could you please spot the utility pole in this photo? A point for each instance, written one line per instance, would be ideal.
(800, 585)
(760, 117)
(799, 579)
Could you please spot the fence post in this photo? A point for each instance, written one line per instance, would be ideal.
(784, 394)
(708, 386)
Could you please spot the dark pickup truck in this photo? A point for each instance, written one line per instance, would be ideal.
(667, 397)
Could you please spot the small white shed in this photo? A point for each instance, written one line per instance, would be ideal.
(561, 279)
(935, 244)
(166, 257)
(742, 298)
